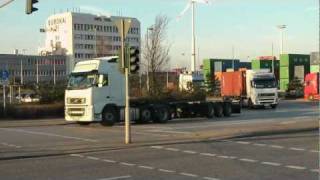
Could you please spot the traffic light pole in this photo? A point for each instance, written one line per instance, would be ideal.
(127, 108)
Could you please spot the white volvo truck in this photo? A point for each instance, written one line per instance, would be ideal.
(96, 93)
(261, 87)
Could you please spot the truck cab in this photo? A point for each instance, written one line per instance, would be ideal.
(93, 85)
(261, 87)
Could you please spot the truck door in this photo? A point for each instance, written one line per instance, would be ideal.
(101, 94)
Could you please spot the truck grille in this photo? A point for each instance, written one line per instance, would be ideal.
(267, 94)
(76, 111)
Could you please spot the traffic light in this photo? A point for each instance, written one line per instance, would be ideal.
(134, 60)
(29, 6)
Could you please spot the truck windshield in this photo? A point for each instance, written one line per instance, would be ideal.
(264, 83)
(82, 80)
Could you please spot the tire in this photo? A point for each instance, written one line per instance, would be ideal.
(218, 110)
(82, 123)
(250, 104)
(227, 109)
(109, 116)
(210, 111)
(161, 114)
(273, 106)
(145, 115)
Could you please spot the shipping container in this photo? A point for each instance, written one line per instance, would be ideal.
(314, 58)
(311, 89)
(314, 68)
(233, 84)
(299, 72)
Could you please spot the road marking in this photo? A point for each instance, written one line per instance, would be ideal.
(77, 155)
(188, 174)
(232, 157)
(296, 167)
(276, 146)
(172, 132)
(48, 134)
(166, 170)
(157, 147)
(248, 160)
(289, 122)
(242, 142)
(315, 170)
(224, 157)
(146, 167)
(127, 164)
(271, 163)
(207, 154)
(10, 145)
(314, 151)
(172, 149)
(297, 149)
(190, 152)
(92, 158)
(109, 161)
(210, 178)
(115, 178)
(258, 144)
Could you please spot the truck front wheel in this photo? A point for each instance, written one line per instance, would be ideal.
(109, 116)
(273, 106)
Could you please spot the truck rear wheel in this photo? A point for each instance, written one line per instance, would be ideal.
(145, 115)
(227, 109)
(218, 110)
(210, 111)
(109, 116)
(161, 114)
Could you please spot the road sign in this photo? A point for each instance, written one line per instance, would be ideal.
(126, 24)
(4, 75)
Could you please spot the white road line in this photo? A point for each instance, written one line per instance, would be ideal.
(296, 167)
(10, 145)
(271, 163)
(224, 157)
(127, 164)
(157, 147)
(190, 152)
(48, 134)
(166, 170)
(115, 178)
(172, 132)
(314, 151)
(258, 144)
(172, 149)
(92, 158)
(276, 146)
(77, 155)
(315, 170)
(207, 154)
(188, 174)
(146, 167)
(297, 149)
(210, 178)
(109, 161)
(242, 142)
(248, 160)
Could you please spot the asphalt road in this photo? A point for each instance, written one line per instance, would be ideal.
(182, 149)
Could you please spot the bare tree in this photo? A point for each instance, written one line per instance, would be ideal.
(156, 52)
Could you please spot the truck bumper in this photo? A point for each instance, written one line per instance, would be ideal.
(266, 102)
(79, 113)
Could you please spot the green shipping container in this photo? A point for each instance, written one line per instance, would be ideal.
(284, 84)
(208, 68)
(284, 60)
(284, 73)
(255, 64)
(314, 68)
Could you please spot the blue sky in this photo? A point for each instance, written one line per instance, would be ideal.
(248, 25)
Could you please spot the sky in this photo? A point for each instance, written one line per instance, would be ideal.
(247, 26)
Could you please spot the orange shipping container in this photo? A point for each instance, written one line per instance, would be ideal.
(233, 84)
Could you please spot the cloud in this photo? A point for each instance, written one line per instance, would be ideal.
(95, 10)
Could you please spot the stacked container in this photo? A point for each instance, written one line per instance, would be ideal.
(314, 62)
(291, 66)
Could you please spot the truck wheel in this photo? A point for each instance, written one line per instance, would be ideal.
(161, 114)
(218, 110)
(274, 106)
(227, 109)
(210, 111)
(109, 116)
(250, 104)
(145, 115)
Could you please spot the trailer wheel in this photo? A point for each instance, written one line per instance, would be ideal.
(210, 111)
(218, 110)
(109, 116)
(161, 114)
(145, 115)
(227, 109)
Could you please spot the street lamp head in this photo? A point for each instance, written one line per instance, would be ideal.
(282, 26)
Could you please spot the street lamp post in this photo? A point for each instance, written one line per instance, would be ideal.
(148, 81)
(281, 28)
